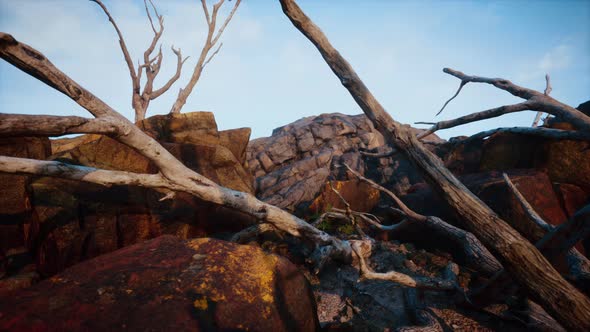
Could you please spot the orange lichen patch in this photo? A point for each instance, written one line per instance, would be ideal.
(251, 278)
(175, 275)
(201, 304)
(195, 243)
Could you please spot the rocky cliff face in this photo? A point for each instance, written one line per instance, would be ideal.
(49, 224)
(292, 166)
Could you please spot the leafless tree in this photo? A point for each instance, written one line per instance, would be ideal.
(518, 257)
(151, 64)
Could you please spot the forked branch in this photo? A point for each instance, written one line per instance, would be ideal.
(535, 101)
(474, 254)
(362, 249)
(173, 175)
(141, 98)
(205, 58)
(519, 257)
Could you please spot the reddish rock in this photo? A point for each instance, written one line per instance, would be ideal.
(505, 151)
(463, 158)
(60, 145)
(572, 197)
(563, 160)
(167, 284)
(17, 282)
(215, 162)
(16, 213)
(535, 186)
(76, 221)
(566, 161)
(361, 197)
(106, 153)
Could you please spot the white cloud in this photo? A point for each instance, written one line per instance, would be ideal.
(560, 57)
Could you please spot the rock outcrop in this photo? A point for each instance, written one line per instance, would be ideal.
(17, 215)
(292, 166)
(167, 284)
(55, 223)
(535, 186)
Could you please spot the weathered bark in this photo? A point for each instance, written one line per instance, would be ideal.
(173, 174)
(12, 125)
(519, 257)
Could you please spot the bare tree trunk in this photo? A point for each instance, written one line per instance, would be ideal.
(173, 175)
(532, 271)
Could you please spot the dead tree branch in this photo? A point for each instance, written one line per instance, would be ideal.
(362, 249)
(387, 154)
(531, 213)
(550, 133)
(12, 125)
(553, 242)
(461, 85)
(140, 100)
(546, 92)
(173, 174)
(487, 114)
(519, 257)
(210, 42)
(474, 254)
(535, 101)
(348, 212)
(562, 238)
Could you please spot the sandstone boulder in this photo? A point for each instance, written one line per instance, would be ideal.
(16, 211)
(490, 187)
(236, 140)
(193, 127)
(58, 223)
(167, 284)
(566, 161)
(76, 221)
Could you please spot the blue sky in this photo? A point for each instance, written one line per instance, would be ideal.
(267, 74)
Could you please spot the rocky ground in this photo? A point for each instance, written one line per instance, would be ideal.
(72, 254)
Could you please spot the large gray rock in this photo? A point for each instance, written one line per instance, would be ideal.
(293, 164)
